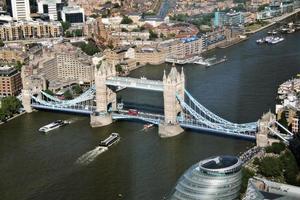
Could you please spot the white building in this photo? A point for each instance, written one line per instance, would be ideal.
(48, 7)
(73, 14)
(20, 9)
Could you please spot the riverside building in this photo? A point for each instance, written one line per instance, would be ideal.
(30, 29)
(213, 178)
(10, 81)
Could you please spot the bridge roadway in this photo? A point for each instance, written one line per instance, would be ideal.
(142, 83)
(148, 117)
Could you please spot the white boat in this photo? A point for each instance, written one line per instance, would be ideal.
(113, 138)
(260, 41)
(201, 61)
(183, 60)
(54, 125)
(276, 40)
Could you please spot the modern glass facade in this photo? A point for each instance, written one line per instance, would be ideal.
(213, 178)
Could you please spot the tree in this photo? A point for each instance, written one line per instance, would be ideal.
(49, 92)
(246, 174)
(162, 35)
(270, 167)
(18, 66)
(152, 35)
(2, 115)
(276, 147)
(67, 94)
(119, 68)
(256, 161)
(1, 43)
(65, 25)
(126, 20)
(290, 168)
(89, 48)
(262, 7)
(10, 105)
(77, 89)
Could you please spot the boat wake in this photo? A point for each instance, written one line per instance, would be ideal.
(90, 156)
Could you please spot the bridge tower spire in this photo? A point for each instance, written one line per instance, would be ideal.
(105, 97)
(173, 85)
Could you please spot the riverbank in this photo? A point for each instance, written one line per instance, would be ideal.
(15, 116)
(274, 21)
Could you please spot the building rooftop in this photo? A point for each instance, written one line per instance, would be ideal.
(7, 70)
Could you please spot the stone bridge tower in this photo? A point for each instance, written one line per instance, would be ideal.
(174, 84)
(267, 120)
(105, 97)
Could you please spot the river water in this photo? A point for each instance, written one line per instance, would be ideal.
(64, 164)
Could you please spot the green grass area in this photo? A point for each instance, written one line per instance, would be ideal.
(256, 26)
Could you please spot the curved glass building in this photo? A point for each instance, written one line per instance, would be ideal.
(213, 178)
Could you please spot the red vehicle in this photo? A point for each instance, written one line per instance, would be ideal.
(133, 112)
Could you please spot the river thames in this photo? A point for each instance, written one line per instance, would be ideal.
(142, 165)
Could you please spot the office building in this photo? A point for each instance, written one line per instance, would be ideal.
(20, 9)
(231, 18)
(10, 81)
(73, 14)
(213, 178)
(50, 8)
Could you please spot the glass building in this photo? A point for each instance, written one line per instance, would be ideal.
(213, 178)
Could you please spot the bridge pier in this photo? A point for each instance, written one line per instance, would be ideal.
(100, 119)
(169, 130)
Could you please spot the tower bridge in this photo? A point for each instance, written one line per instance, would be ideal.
(181, 110)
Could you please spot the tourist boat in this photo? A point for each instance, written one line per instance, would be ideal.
(54, 125)
(112, 139)
(268, 39)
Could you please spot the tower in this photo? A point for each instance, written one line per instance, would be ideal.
(105, 97)
(173, 86)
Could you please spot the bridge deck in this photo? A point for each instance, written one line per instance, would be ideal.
(144, 84)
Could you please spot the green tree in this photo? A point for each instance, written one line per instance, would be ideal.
(126, 20)
(262, 7)
(89, 48)
(119, 68)
(49, 92)
(10, 105)
(246, 174)
(2, 115)
(77, 89)
(256, 161)
(290, 168)
(270, 167)
(276, 147)
(1, 43)
(78, 32)
(152, 35)
(68, 95)
(65, 25)
(18, 65)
